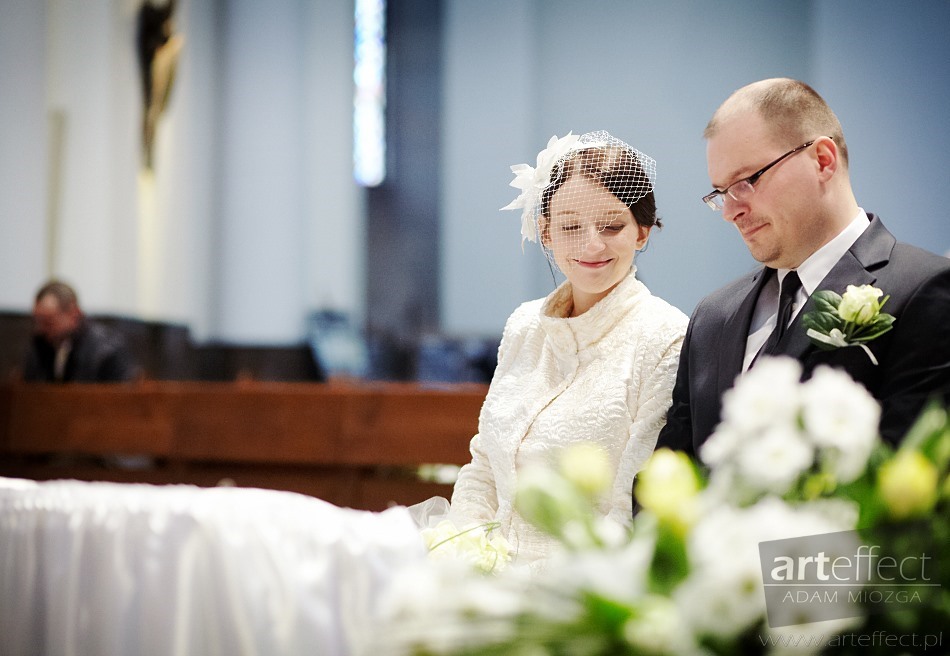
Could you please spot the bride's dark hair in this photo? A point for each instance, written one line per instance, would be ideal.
(615, 168)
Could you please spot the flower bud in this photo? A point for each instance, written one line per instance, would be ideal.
(586, 466)
(908, 484)
(859, 305)
(667, 486)
(548, 501)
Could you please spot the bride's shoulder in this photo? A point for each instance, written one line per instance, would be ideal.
(662, 313)
(525, 314)
(520, 326)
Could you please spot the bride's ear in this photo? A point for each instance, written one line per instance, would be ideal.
(643, 235)
(546, 232)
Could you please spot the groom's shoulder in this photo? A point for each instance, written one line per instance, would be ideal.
(910, 271)
(899, 259)
(920, 261)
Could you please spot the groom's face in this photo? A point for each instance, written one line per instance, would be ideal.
(775, 221)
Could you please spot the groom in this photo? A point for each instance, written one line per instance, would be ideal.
(779, 166)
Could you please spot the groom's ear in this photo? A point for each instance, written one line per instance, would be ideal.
(828, 157)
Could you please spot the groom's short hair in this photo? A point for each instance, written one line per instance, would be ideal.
(794, 111)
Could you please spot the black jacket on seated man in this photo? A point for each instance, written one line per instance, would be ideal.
(96, 354)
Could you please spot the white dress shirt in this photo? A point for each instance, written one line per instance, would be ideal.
(811, 272)
(60, 359)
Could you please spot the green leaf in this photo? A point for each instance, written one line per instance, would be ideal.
(826, 301)
(884, 319)
(863, 491)
(822, 322)
(930, 435)
(670, 562)
(932, 420)
(880, 325)
(610, 614)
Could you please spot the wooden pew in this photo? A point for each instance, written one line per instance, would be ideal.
(353, 445)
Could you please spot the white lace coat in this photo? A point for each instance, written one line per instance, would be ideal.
(605, 377)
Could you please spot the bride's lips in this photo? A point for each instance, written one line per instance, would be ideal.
(593, 265)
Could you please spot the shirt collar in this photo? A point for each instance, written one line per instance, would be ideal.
(813, 270)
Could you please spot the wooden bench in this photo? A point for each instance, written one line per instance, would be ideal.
(355, 445)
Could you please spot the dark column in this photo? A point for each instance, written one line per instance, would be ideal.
(403, 212)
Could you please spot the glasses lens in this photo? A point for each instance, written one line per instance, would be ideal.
(741, 190)
(714, 201)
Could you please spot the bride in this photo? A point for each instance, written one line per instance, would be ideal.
(110, 568)
(593, 362)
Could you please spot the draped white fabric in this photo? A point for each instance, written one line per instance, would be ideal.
(118, 569)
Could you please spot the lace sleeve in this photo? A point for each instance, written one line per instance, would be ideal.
(474, 497)
(648, 406)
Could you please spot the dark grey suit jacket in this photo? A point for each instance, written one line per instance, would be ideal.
(98, 355)
(914, 357)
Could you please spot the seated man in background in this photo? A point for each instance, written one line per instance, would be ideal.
(67, 347)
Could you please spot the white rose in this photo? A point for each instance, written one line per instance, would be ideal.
(776, 459)
(842, 419)
(439, 535)
(428, 608)
(618, 574)
(722, 446)
(764, 396)
(722, 601)
(859, 304)
(658, 628)
(723, 595)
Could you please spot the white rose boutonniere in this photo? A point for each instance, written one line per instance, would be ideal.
(849, 320)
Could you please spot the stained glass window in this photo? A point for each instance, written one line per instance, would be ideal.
(369, 102)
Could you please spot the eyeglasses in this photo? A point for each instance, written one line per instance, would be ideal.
(744, 188)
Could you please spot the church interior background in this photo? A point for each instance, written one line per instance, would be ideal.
(249, 243)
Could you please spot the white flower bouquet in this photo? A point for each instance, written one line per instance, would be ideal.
(795, 440)
(790, 459)
(480, 545)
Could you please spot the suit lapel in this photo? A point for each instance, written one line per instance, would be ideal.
(872, 248)
(736, 330)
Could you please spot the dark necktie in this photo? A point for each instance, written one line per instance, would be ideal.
(786, 298)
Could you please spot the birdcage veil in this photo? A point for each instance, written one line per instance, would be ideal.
(559, 208)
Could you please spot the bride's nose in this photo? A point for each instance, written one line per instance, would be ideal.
(595, 240)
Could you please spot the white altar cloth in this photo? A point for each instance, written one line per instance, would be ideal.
(110, 569)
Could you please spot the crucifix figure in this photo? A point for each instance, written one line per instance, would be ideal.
(158, 49)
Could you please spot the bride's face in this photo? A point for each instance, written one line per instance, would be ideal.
(593, 237)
